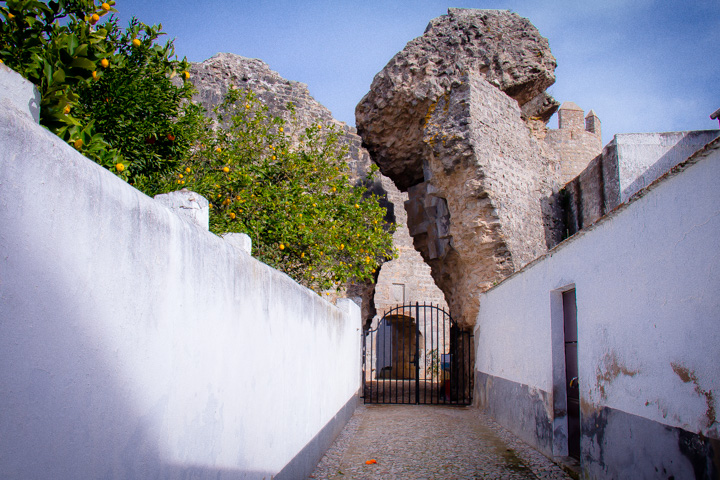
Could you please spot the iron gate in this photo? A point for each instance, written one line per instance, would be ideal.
(417, 354)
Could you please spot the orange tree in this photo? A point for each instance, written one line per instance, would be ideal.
(123, 100)
(292, 196)
(106, 91)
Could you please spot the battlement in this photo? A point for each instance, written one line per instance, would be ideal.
(577, 140)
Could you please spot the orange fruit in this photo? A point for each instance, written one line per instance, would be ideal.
(218, 149)
(94, 19)
(226, 170)
(78, 143)
(104, 63)
(66, 110)
(119, 167)
(136, 42)
(232, 215)
(94, 75)
(282, 247)
(282, 129)
(105, 6)
(187, 170)
(186, 74)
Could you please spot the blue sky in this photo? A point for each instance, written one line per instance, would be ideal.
(642, 65)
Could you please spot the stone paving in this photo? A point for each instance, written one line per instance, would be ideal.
(417, 442)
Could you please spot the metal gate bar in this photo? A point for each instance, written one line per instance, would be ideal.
(406, 362)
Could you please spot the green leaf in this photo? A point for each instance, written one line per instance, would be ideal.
(72, 44)
(47, 70)
(83, 63)
(82, 50)
(58, 76)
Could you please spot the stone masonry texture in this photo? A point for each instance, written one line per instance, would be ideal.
(445, 120)
(502, 46)
(577, 140)
(406, 278)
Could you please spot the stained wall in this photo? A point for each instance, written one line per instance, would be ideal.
(646, 278)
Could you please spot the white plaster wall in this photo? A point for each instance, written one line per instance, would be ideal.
(644, 157)
(16, 93)
(648, 310)
(134, 344)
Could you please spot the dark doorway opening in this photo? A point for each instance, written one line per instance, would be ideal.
(571, 372)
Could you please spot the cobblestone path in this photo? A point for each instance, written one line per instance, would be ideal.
(417, 442)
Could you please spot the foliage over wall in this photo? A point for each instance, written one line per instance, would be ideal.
(124, 101)
(105, 90)
(294, 198)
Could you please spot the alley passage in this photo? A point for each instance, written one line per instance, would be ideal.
(416, 442)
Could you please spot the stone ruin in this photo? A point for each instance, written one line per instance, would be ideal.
(456, 122)
(406, 278)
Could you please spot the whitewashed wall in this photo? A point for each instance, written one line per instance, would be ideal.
(647, 281)
(135, 345)
(643, 157)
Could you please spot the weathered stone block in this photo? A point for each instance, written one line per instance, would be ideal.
(240, 241)
(502, 46)
(189, 205)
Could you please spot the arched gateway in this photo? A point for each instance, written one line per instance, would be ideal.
(417, 354)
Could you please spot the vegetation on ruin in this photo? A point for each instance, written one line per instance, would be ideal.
(293, 197)
(123, 100)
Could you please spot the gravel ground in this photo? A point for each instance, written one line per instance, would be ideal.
(417, 442)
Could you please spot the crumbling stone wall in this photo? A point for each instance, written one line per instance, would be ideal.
(477, 217)
(407, 278)
(408, 272)
(213, 79)
(454, 119)
(504, 47)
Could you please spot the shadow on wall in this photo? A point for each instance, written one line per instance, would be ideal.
(70, 402)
